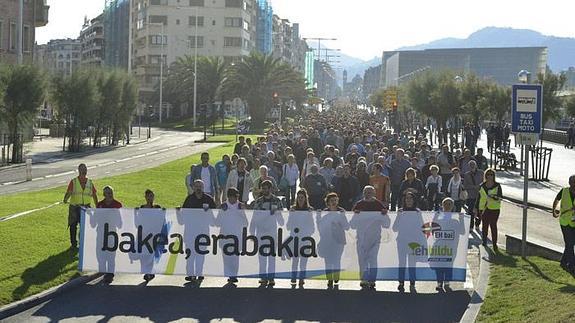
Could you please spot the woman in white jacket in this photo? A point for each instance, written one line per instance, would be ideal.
(240, 179)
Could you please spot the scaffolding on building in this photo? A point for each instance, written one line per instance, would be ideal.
(116, 33)
(264, 26)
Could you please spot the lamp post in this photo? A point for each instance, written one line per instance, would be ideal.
(525, 78)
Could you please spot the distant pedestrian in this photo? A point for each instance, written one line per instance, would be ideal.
(570, 136)
(566, 214)
(80, 193)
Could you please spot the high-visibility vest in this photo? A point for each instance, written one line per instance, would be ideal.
(567, 215)
(81, 196)
(486, 202)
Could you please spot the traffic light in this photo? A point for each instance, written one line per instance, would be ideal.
(394, 106)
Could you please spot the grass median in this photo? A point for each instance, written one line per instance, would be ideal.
(34, 254)
(528, 290)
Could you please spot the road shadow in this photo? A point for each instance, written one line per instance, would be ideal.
(169, 303)
(46, 271)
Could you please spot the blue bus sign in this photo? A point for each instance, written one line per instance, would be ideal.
(527, 109)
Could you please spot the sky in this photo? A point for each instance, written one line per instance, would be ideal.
(365, 28)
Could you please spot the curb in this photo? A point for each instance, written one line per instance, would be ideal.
(478, 296)
(34, 300)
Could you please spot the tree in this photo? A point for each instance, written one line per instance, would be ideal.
(258, 77)
(496, 101)
(128, 105)
(110, 95)
(570, 106)
(76, 98)
(377, 99)
(472, 93)
(436, 95)
(552, 84)
(24, 91)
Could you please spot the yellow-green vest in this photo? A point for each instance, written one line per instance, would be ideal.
(81, 196)
(486, 202)
(566, 217)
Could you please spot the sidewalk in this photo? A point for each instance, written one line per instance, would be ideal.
(541, 194)
(48, 149)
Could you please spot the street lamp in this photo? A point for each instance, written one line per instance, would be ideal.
(524, 77)
(195, 60)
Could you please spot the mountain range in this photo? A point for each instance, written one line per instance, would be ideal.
(561, 50)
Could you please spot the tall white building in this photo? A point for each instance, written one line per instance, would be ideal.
(225, 28)
(60, 56)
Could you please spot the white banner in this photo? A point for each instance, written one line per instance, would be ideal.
(300, 244)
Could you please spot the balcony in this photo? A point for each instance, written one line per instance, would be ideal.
(40, 13)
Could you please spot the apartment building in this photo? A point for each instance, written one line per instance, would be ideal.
(166, 29)
(35, 14)
(60, 56)
(92, 42)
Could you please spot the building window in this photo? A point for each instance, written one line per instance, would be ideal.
(156, 59)
(192, 40)
(192, 21)
(159, 2)
(157, 39)
(232, 42)
(246, 26)
(233, 22)
(234, 3)
(159, 20)
(13, 36)
(196, 3)
(26, 39)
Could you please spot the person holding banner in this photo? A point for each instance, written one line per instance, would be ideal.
(489, 206)
(109, 203)
(566, 215)
(368, 235)
(198, 200)
(231, 220)
(149, 196)
(300, 224)
(332, 226)
(207, 173)
(408, 216)
(81, 191)
(266, 225)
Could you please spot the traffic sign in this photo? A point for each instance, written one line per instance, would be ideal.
(527, 108)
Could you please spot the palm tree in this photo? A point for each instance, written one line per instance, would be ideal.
(257, 78)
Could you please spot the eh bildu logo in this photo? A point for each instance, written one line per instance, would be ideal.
(432, 228)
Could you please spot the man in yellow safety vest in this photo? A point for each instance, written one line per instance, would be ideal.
(81, 192)
(566, 215)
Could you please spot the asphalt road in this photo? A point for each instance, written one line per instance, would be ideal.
(51, 169)
(166, 299)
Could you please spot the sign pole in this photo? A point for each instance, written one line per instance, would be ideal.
(526, 123)
(525, 198)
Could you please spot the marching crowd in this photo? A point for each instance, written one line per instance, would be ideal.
(334, 156)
